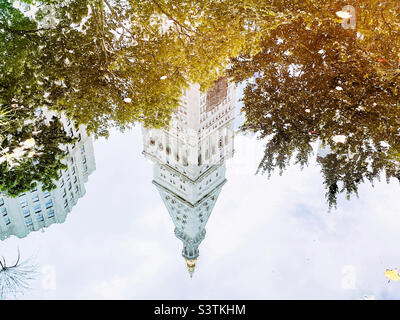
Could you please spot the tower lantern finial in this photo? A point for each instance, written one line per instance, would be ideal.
(191, 264)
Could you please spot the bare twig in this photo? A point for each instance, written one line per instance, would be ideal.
(15, 279)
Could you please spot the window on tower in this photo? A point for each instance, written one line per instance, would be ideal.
(35, 197)
(37, 208)
(29, 221)
(49, 204)
(50, 213)
(23, 203)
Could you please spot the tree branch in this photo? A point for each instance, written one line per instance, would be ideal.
(24, 32)
(171, 17)
(19, 256)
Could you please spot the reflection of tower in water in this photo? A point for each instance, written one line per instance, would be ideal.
(189, 160)
(38, 209)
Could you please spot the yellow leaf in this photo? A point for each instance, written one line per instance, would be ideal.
(392, 274)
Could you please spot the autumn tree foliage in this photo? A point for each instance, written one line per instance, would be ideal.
(107, 63)
(315, 80)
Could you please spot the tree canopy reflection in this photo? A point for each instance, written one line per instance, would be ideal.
(106, 63)
(315, 80)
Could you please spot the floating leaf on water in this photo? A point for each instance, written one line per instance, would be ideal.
(392, 275)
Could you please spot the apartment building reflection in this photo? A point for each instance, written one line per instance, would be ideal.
(189, 161)
(39, 209)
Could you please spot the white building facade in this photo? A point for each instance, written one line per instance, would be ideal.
(189, 160)
(38, 209)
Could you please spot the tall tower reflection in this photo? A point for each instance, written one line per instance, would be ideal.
(38, 209)
(189, 160)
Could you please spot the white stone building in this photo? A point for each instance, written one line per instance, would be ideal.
(38, 209)
(189, 160)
